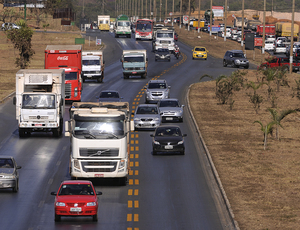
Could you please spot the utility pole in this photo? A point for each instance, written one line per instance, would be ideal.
(172, 18)
(199, 16)
(160, 10)
(225, 21)
(154, 10)
(166, 12)
(210, 19)
(264, 29)
(180, 18)
(189, 15)
(242, 41)
(292, 38)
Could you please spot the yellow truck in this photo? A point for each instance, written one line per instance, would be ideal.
(283, 29)
(104, 22)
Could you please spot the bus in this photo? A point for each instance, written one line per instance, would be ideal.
(144, 29)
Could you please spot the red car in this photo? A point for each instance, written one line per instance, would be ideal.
(76, 198)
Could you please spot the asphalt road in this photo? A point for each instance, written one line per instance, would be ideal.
(164, 191)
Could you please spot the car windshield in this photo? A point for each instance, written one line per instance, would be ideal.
(6, 163)
(168, 104)
(169, 131)
(199, 49)
(38, 101)
(76, 189)
(109, 95)
(240, 55)
(147, 110)
(157, 86)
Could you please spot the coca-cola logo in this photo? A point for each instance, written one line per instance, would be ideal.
(63, 58)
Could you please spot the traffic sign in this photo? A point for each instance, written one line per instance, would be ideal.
(166, 21)
(186, 18)
(170, 13)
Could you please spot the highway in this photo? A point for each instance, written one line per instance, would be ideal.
(163, 192)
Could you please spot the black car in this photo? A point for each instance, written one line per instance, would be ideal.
(168, 139)
(235, 58)
(162, 54)
(109, 95)
(297, 54)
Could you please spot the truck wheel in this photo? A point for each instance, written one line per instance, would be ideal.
(224, 63)
(21, 133)
(125, 76)
(122, 181)
(144, 76)
(116, 36)
(100, 79)
(55, 132)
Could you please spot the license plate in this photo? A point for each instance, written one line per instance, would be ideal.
(169, 118)
(200, 55)
(169, 147)
(146, 123)
(99, 175)
(75, 209)
(134, 72)
(38, 125)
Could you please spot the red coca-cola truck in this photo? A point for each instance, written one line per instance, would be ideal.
(67, 57)
(269, 29)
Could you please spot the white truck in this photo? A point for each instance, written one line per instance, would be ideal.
(164, 39)
(122, 26)
(39, 100)
(99, 140)
(134, 63)
(104, 22)
(92, 65)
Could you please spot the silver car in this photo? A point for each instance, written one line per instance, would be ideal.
(170, 110)
(157, 90)
(146, 117)
(9, 176)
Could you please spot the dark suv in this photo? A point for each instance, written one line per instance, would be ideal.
(235, 58)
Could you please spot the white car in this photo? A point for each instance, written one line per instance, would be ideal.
(234, 36)
(270, 37)
(281, 40)
(269, 45)
(279, 48)
(9, 26)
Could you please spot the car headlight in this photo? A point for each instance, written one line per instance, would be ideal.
(9, 177)
(195, 52)
(136, 119)
(237, 61)
(156, 142)
(204, 53)
(180, 142)
(61, 204)
(91, 204)
(156, 119)
(156, 55)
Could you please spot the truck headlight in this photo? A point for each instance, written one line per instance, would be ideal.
(76, 92)
(122, 164)
(76, 164)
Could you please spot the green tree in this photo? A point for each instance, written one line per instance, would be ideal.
(21, 38)
(277, 118)
(268, 129)
(255, 98)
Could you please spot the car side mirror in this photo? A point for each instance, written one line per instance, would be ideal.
(53, 193)
(98, 193)
(184, 135)
(151, 135)
(14, 101)
(182, 106)
(18, 167)
(169, 87)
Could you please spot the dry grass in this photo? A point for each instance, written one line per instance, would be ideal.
(262, 185)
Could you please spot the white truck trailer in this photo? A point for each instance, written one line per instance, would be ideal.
(92, 65)
(39, 100)
(99, 140)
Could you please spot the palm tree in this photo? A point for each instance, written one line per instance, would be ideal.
(268, 129)
(277, 118)
(255, 99)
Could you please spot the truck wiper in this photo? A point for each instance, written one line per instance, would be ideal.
(114, 135)
(88, 135)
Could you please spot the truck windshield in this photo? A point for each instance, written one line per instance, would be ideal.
(38, 101)
(165, 35)
(90, 62)
(109, 129)
(134, 59)
(71, 76)
(123, 24)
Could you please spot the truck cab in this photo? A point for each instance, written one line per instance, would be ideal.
(164, 39)
(134, 63)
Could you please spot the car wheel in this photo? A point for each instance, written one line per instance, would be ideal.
(224, 63)
(182, 152)
(95, 218)
(154, 152)
(193, 58)
(247, 67)
(155, 59)
(16, 188)
(181, 119)
(169, 59)
(57, 218)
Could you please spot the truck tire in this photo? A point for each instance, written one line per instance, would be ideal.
(144, 75)
(122, 181)
(100, 79)
(224, 63)
(21, 133)
(125, 76)
(129, 36)
(116, 36)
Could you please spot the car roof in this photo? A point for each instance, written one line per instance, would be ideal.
(236, 51)
(157, 81)
(199, 47)
(169, 99)
(76, 182)
(6, 157)
(168, 126)
(147, 105)
(105, 91)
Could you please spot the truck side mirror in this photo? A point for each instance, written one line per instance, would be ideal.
(67, 133)
(14, 101)
(146, 59)
(121, 60)
(131, 125)
(103, 62)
